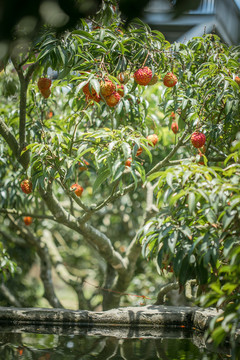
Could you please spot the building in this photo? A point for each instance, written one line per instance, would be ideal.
(220, 16)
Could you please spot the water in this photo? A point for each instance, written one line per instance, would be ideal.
(72, 343)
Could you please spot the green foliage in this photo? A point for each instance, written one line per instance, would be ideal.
(7, 266)
(74, 136)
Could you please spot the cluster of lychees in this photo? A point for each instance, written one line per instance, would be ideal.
(109, 92)
(112, 93)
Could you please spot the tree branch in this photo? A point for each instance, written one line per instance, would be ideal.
(9, 138)
(9, 296)
(23, 213)
(93, 236)
(164, 162)
(164, 290)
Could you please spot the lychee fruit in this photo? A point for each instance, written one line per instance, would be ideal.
(128, 162)
(107, 87)
(83, 167)
(143, 76)
(45, 93)
(44, 83)
(153, 80)
(27, 220)
(237, 79)
(26, 186)
(173, 116)
(170, 79)
(174, 127)
(139, 151)
(153, 139)
(123, 77)
(113, 99)
(87, 91)
(120, 90)
(78, 189)
(198, 139)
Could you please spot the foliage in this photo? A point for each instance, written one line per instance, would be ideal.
(74, 136)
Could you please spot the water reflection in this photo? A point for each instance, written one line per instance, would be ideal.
(61, 345)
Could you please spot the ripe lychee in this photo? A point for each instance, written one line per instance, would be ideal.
(198, 139)
(128, 162)
(153, 139)
(123, 77)
(45, 93)
(173, 116)
(78, 189)
(88, 91)
(26, 186)
(174, 127)
(143, 76)
(153, 80)
(120, 90)
(83, 167)
(44, 83)
(139, 151)
(113, 99)
(237, 79)
(170, 79)
(27, 220)
(107, 87)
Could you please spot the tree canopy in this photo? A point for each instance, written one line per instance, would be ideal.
(115, 143)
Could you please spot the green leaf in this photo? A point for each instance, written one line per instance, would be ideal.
(191, 202)
(95, 84)
(102, 176)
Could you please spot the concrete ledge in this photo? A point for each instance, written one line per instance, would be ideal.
(151, 316)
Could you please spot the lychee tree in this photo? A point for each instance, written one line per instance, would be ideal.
(83, 154)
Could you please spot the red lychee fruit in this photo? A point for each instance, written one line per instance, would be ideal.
(143, 76)
(128, 162)
(173, 116)
(49, 114)
(237, 79)
(139, 151)
(170, 79)
(107, 87)
(27, 220)
(87, 91)
(83, 167)
(153, 80)
(26, 186)
(123, 77)
(153, 139)
(45, 93)
(44, 83)
(113, 99)
(174, 127)
(120, 90)
(78, 189)
(198, 139)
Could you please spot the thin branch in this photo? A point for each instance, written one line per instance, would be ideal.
(14, 239)
(164, 162)
(25, 213)
(9, 296)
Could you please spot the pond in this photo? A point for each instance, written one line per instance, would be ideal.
(72, 343)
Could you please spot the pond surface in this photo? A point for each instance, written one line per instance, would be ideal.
(62, 345)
